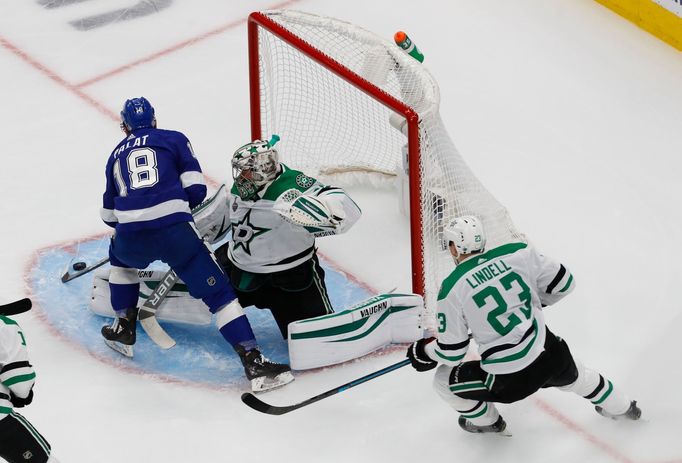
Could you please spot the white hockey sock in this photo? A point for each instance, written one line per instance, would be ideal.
(598, 390)
(227, 313)
(477, 412)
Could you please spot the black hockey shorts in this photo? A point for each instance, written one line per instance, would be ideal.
(291, 295)
(20, 442)
(554, 367)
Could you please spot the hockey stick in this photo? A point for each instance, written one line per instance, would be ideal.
(70, 276)
(16, 307)
(258, 405)
(147, 313)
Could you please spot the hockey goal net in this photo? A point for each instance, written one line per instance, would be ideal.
(348, 102)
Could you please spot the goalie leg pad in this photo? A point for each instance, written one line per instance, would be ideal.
(354, 332)
(179, 306)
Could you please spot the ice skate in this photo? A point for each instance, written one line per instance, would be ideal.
(498, 426)
(264, 374)
(633, 413)
(121, 334)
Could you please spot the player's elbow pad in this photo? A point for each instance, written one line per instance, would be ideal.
(22, 389)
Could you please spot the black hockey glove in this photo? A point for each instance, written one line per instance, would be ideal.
(417, 355)
(18, 402)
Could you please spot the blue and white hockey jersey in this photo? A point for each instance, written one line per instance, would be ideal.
(153, 180)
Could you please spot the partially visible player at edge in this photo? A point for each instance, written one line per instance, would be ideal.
(499, 295)
(153, 180)
(20, 442)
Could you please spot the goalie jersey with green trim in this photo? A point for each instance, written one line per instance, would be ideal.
(498, 296)
(264, 241)
(16, 374)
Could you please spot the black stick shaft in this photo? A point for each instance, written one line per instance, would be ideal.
(257, 404)
(17, 307)
(71, 276)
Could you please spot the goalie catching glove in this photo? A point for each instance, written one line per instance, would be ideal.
(310, 211)
(419, 359)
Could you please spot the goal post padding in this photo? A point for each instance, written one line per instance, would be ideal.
(333, 92)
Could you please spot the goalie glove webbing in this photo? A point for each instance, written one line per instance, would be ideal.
(305, 210)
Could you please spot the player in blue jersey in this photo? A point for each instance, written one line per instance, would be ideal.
(153, 180)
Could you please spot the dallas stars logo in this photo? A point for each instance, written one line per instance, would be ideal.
(244, 232)
(304, 181)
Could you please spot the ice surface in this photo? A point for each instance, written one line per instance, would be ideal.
(567, 113)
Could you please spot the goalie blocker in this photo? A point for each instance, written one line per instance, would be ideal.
(313, 342)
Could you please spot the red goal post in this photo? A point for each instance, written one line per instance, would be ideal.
(257, 20)
(346, 100)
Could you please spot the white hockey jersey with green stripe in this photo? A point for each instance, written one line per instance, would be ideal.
(16, 374)
(498, 296)
(264, 242)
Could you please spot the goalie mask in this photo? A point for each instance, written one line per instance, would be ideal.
(254, 165)
(466, 233)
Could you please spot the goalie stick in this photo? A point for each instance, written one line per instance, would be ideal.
(258, 405)
(70, 276)
(16, 307)
(147, 313)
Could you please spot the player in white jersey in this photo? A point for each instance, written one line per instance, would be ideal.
(498, 295)
(20, 442)
(276, 213)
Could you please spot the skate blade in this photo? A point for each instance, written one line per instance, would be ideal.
(630, 415)
(264, 384)
(124, 349)
(505, 433)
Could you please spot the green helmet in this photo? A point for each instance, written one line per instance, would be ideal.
(254, 165)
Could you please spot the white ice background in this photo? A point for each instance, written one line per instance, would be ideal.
(570, 115)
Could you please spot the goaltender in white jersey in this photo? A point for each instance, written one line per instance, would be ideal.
(498, 295)
(275, 230)
(276, 213)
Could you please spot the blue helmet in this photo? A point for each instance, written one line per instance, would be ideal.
(137, 113)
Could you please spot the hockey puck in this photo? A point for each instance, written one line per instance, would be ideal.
(78, 266)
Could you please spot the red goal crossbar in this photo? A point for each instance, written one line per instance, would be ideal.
(257, 20)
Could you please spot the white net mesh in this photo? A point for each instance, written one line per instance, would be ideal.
(330, 127)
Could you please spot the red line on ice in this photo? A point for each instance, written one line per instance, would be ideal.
(101, 108)
(581, 431)
(176, 47)
(43, 69)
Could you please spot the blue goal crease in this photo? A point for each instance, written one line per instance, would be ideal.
(201, 354)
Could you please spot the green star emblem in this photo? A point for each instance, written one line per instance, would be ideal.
(244, 232)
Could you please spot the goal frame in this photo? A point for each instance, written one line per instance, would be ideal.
(259, 20)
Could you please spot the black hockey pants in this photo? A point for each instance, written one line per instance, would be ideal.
(20, 442)
(291, 295)
(554, 367)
